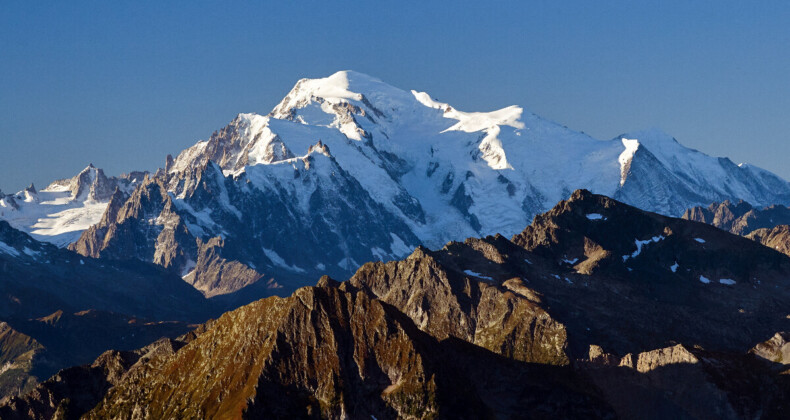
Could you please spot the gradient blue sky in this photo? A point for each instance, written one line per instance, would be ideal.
(122, 84)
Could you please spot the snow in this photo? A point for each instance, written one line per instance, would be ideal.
(29, 252)
(398, 247)
(626, 157)
(279, 261)
(700, 240)
(478, 275)
(402, 145)
(704, 279)
(82, 262)
(639, 244)
(347, 264)
(571, 262)
(527, 261)
(55, 217)
(728, 282)
(189, 266)
(674, 267)
(511, 164)
(7, 249)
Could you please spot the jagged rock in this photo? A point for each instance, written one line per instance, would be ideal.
(740, 218)
(776, 350)
(777, 238)
(319, 353)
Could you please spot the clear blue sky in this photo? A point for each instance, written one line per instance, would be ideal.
(123, 83)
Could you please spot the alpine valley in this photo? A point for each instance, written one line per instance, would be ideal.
(364, 251)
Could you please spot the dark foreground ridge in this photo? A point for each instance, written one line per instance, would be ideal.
(596, 310)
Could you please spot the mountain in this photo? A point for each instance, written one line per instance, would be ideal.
(60, 212)
(596, 309)
(768, 226)
(32, 350)
(58, 308)
(740, 218)
(348, 169)
(37, 279)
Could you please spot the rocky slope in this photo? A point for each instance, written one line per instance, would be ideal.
(37, 279)
(63, 340)
(351, 169)
(59, 308)
(597, 309)
(777, 238)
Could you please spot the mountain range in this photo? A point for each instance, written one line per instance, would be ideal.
(606, 305)
(351, 169)
(596, 309)
(769, 226)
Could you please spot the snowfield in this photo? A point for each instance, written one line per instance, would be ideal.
(446, 174)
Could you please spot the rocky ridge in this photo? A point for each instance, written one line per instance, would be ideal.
(769, 226)
(595, 309)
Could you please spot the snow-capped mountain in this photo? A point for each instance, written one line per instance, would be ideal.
(64, 209)
(348, 169)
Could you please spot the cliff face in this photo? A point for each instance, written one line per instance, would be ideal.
(328, 353)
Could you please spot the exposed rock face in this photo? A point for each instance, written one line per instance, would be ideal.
(63, 340)
(776, 350)
(447, 303)
(17, 352)
(777, 238)
(203, 215)
(76, 390)
(740, 218)
(328, 353)
(214, 275)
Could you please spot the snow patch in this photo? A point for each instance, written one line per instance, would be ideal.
(31, 253)
(399, 248)
(640, 244)
(704, 279)
(674, 267)
(595, 216)
(728, 282)
(8, 249)
(188, 267)
(347, 264)
(478, 275)
(278, 261)
(625, 158)
(700, 240)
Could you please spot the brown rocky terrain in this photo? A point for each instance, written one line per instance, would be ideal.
(595, 310)
(777, 238)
